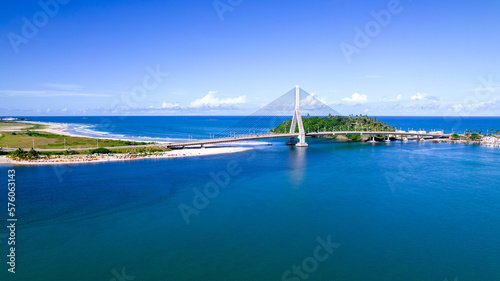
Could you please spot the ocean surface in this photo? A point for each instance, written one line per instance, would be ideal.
(332, 211)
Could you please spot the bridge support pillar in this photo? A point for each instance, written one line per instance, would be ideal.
(297, 120)
(291, 141)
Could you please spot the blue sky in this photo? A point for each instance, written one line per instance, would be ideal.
(231, 57)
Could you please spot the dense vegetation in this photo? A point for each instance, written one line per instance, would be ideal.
(337, 123)
(25, 155)
(100, 150)
(32, 154)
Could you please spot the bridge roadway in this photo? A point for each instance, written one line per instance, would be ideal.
(313, 134)
(229, 139)
(433, 135)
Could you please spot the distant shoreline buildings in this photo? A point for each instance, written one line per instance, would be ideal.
(13, 119)
(490, 141)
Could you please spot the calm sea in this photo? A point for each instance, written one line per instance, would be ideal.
(332, 211)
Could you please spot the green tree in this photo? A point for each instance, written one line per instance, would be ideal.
(32, 154)
(475, 136)
(101, 150)
(19, 154)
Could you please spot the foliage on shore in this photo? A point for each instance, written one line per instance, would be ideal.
(337, 123)
(21, 154)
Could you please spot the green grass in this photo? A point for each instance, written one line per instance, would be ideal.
(354, 137)
(28, 126)
(24, 139)
(9, 124)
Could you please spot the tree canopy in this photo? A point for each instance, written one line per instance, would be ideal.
(337, 123)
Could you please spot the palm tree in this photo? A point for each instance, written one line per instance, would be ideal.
(33, 154)
(19, 153)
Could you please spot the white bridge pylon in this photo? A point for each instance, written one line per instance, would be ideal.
(297, 120)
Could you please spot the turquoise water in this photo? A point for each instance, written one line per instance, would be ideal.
(411, 211)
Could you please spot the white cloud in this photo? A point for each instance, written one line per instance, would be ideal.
(210, 100)
(473, 106)
(419, 96)
(169, 105)
(399, 97)
(64, 110)
(356, 98)
(457, 107)
(312, 101)
(485, 89)
(424, 97)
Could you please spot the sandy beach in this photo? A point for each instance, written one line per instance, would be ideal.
(84, 159)
(62, 129)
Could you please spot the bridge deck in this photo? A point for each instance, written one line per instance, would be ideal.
(230, 139)
(272, 136)
(377, 133)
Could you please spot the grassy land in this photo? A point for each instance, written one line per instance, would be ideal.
(24, 139)
(9, 124)
(28, 126)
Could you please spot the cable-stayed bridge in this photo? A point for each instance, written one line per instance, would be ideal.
(286, 107)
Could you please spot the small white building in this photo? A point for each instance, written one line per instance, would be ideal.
(490, 141)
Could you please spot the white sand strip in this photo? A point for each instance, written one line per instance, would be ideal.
(85, 159)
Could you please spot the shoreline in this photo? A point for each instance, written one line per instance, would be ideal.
(61, 129)
(92, 158)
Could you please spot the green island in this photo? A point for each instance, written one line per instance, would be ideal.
(339, 123)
